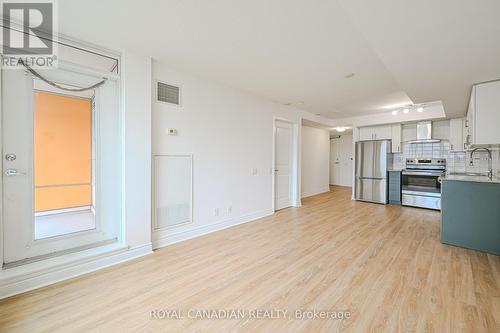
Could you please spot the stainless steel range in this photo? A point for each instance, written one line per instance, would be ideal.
(421, 185)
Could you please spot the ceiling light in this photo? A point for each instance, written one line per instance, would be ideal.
(394, 106)
(406, 110)
(350, 75)
(420, 109)
(340, 129)
(395, 112)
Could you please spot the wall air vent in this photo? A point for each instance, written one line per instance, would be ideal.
(167, 93)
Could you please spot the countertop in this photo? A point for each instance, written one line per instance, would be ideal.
(471, 178)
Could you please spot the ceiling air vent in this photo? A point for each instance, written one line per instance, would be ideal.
(167, 93)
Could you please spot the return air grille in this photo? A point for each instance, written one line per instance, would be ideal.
(168, 93)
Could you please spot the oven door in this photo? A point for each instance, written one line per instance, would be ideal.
(422, 200)
(422, 182)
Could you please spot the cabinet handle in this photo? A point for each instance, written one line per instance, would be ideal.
(451, 146)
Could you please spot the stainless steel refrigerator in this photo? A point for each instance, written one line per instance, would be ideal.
(373, 160)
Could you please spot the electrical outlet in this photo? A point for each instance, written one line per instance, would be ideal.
(216, 211)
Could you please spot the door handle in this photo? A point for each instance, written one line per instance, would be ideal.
(10, 157)
(13, 172)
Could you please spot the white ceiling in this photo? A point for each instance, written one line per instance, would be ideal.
(333, 130)
(299, 51)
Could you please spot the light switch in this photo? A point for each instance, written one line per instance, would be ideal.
(172, 131)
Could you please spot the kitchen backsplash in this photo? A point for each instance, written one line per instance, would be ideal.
(455, 161)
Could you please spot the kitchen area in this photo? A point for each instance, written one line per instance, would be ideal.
(448, 165)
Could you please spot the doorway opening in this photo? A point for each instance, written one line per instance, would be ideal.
(63, 164)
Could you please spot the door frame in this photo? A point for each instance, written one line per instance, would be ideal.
(341, 144)
(295, 174)
(118, 78)
(331, 162)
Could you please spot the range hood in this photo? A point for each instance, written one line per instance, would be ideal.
(424, 133)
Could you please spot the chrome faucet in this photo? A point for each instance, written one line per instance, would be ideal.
(490, 167)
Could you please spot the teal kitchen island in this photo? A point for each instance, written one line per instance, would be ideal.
(470, 208)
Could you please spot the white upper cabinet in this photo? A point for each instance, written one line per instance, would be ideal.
(469, 120)
(409, 132)
(365, 133)
(375, 133)
(457, 135)
(483, 115)
(441, 129)
(383, 132)
(487, 114)
(396, 135)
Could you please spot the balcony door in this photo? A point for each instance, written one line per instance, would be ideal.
(53, 143)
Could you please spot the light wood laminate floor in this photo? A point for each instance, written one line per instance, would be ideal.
(384, 264)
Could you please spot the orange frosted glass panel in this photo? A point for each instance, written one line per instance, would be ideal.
(62, 151)
(50, 198)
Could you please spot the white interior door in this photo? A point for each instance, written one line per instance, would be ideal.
(335, 162)
(341, 161)
(346, 159)
(283, 164)
(20, 217)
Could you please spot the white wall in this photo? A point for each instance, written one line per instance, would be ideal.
(315, 176)
(229, 133)
(137, 151)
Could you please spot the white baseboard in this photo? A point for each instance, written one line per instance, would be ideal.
(32, 276)
(176, 237)
(315, 192)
